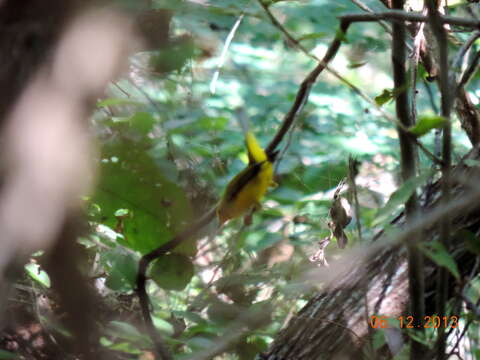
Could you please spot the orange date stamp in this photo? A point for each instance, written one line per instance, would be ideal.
(409, 322)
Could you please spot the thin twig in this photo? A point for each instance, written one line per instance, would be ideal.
(228, 40)
(458, 59)
(415, 57)
(464, 331)
(471, 69)
(418, 40)
(121, 89)
(304, 90)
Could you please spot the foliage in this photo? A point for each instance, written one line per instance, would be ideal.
(169, 145)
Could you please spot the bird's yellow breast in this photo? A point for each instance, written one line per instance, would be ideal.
(248, 195)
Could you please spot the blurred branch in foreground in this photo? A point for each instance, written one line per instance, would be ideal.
(48, 154)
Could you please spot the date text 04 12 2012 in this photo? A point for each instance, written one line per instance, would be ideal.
(409, 322)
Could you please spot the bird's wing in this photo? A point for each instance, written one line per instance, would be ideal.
(242, 179)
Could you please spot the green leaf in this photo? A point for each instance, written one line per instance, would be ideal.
(439, 254)
(125, 347)
(158, 207)
(142, 122)
(426, 123)
(384, 97)
(37, 274)
(421, 337)
(172, 272)
(121, 269)
(122, 212)
(162, 325)
(400, 197)
(357, 65)
(389, 94)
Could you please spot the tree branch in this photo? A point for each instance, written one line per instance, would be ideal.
(305, 87)
(408, 166)
(468, 115)
(467, 75)
(437, 25)
(398, 15)
(457, 61)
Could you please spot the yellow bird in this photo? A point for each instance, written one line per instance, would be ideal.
(245, 191)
